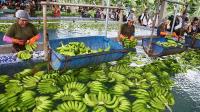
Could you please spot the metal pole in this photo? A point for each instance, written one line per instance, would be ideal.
(176, 9)
(45, 42)
(107, 17)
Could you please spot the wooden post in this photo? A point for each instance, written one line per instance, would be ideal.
(45, 42)
(121, 16)
(107, 17)
(175, 12)
(163, 11)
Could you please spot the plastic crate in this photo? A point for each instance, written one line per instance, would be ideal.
(59, 61)
(192, 42)
(157, 50)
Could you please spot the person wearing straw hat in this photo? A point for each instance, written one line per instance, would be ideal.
(22, 32)
(128, 29)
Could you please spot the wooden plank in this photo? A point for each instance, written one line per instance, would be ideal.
(80, 5)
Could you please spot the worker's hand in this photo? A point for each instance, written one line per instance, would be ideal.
(17, 41)
(174, 35)
(132, 38)
(33, 40)
(163, 33)
(120, 37)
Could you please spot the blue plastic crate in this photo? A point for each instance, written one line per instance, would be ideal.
(192, 42)
(59, 61)
(157, 50)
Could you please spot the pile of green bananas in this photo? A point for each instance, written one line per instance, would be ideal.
(100, 88)
(169, 43)
(77, 48)
(31, 47)
(129, 43)
(26, 54)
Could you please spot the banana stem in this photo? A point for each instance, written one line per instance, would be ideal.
(168, 107)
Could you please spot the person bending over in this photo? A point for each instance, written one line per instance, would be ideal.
(22, 32)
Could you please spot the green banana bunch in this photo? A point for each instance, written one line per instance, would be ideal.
(30, 82)
(72, 106)
(84, 75)
(141, 84)
(51, 76)
(63, 79)
(141, 94)
(24, 55)
(4, 79)
(16, 109)
(42, 104)
(124, 105)
(99, 75)
(75, 87)
(134, 76)
(31, 47)
(8, 101)
(67, 95)
(13, 87)
(170, 99)
(25, 72)
(96, 87)
(77, 48)
(101, 99)
(28, 99)
(73, 48)
(151, 78)
(39, 73)
(169, 43)
(129, 83)
(119, 89)
(114, 76)
(99, 109)
(157, 91)
(47, 86)
(159, 102)
(121, 68)
(141, 105)
(129, 43)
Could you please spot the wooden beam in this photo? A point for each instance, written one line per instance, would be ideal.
(80, 5)
(163, 11)
(44, 8)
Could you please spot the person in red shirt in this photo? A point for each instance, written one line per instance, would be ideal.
(56, 11)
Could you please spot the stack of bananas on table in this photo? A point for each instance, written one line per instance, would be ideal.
(26, 54)
(77, 48)
(169, 43)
